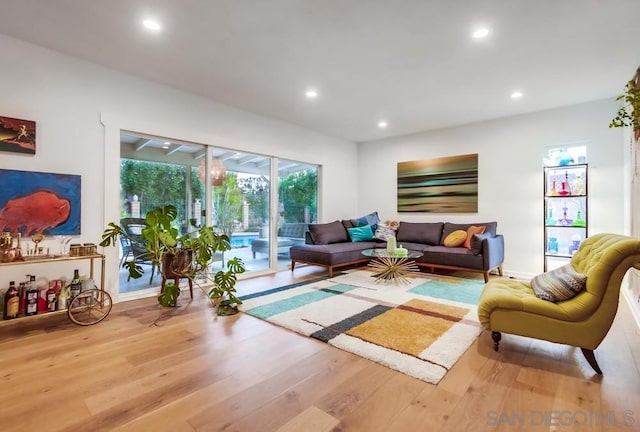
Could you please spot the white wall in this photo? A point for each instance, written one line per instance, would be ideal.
(510, 153)
(69, 98)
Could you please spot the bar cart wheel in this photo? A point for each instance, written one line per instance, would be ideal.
(90, 307)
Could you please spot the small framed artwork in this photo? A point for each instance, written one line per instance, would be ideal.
(443, 185)
(18, 136)
(39, 203)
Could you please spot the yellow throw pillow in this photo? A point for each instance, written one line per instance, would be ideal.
(456, 238)
(470, 232)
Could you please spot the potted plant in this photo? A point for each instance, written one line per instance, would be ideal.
(629, 112)
(186, 255)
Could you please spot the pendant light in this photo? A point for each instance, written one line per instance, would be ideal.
(218, 173)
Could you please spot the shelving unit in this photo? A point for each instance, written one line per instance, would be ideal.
(94, 259)
(565, 212)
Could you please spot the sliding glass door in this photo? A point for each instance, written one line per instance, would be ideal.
(239, 200)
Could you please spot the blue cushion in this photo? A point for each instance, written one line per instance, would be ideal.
(360, 234)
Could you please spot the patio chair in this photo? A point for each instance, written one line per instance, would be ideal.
(133, 228)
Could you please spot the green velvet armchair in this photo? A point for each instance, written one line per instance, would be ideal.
(510, 306)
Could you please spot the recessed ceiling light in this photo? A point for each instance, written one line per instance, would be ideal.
(311, 93)
(480, 33)
(516, 94)
(166, 145)
(382, 124)
(151, 24)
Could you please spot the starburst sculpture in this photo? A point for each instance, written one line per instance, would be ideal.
(393, 269)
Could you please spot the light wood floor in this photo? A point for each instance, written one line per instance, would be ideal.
(193, 371)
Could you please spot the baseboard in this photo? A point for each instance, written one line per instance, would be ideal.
(635, 312)
(517, 275)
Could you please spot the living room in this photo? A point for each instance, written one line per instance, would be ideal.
(81, 107)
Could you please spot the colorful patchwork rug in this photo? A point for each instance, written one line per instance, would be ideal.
(420, 329)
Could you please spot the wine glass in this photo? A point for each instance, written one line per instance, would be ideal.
(64, 241)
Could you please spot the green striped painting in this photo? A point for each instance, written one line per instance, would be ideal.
(443, 185)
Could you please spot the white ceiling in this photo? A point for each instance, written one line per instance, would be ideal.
(411, 62)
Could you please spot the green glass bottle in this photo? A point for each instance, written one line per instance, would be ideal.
(579, 222)
(76, 285)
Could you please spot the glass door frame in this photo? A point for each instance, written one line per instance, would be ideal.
(114, 125)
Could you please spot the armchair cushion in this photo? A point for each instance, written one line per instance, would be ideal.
(560, 284)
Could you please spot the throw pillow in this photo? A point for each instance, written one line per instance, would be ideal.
(328, 233)
(470, 232)
(455, 239)
(360, 234)
(370, 219)
(560, 284)
(476, 242)
(384, 231)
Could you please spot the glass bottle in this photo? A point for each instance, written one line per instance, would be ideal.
(550, 221)
(579, 222)
(31, 297)
(76, 284)
(62, 298)
(578, 186)
(11, 302)
(51, 298)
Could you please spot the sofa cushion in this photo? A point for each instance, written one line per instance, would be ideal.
(455, 239)
(446, 256)
(560, 284)
(490, 228)
(331, 254)
(333, 232)
(360, 234)
(471, 231)
(420, 232)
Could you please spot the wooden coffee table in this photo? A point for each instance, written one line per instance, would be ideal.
(391, 267)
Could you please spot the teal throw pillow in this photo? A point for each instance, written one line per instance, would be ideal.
(360, 234)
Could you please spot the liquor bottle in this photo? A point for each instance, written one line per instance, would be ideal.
(62, 298)
(76, 284)
(21, 296)
(51, 298)
(11, 302)
(31, 297)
